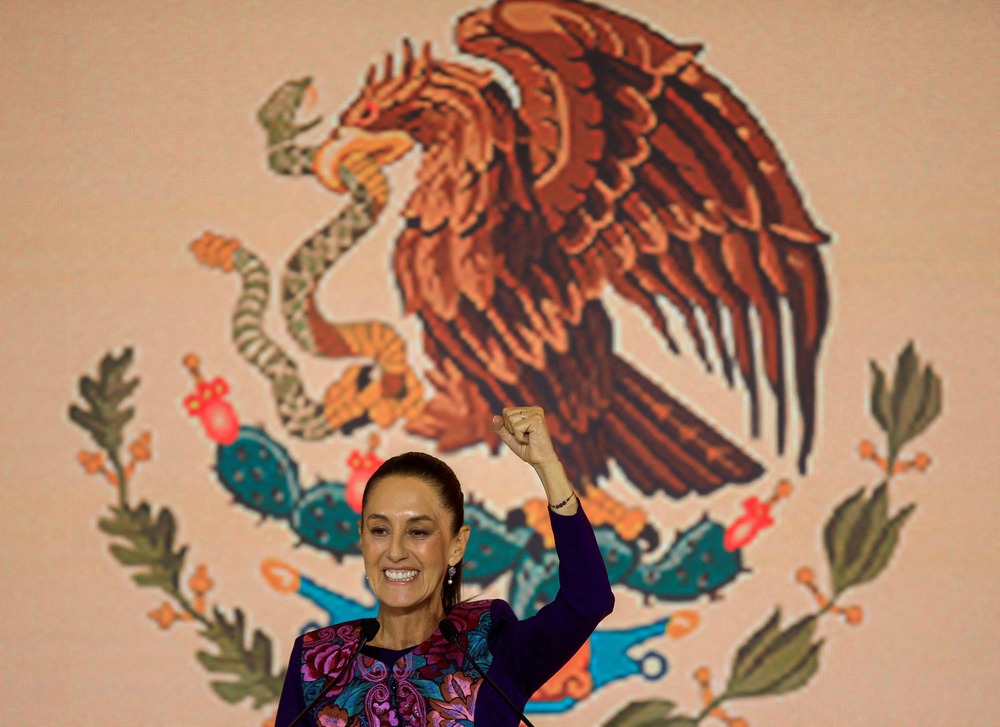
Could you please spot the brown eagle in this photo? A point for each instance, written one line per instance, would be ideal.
(624, 165)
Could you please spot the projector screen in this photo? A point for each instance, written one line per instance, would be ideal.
(742, 253)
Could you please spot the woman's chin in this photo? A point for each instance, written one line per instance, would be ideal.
(403, 596)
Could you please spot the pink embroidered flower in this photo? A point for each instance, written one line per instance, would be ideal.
(381, 714)
(324, 659)
(333, 716)
(459, 701)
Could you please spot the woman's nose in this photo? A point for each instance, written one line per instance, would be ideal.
(397, 546)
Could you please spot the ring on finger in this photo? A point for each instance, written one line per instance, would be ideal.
(522, 415)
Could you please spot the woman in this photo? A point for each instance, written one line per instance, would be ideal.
(413, 540)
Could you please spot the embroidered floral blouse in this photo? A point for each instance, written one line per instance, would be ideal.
(432, 684)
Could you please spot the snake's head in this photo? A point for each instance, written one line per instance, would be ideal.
(278, 114)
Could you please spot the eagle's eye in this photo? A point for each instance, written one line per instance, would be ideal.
(369, 112)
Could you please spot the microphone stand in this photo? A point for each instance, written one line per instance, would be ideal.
(450, 632)
(369, 627)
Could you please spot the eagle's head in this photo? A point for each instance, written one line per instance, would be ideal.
(384, 121)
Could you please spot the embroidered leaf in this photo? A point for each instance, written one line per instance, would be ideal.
(838, 529)
(250, 665)
(779, 662)
(867, 527)
(880, 402)
(930, 405)
(910, 405)
(104, 418)
(353, 697)
(882, 551)
(149, 544)
(756, 645)
(871, 541)
(800, 674)
(652, 713)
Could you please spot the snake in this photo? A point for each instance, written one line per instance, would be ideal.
(380, 391)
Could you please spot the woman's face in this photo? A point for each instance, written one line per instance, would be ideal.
(407, 543)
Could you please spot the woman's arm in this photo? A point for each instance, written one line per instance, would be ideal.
(290, 704)
(532, 650)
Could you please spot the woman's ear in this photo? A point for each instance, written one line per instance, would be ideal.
(458, 545)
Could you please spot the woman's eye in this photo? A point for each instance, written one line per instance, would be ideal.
(378, 531)
(419, 533)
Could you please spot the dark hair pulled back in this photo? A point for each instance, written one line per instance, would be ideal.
(428, 468)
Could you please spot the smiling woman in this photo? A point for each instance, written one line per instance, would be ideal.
(427, 656)
(412, 537)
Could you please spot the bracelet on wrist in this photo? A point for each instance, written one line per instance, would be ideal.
(564, 502)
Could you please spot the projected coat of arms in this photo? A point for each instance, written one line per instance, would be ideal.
(600, 161)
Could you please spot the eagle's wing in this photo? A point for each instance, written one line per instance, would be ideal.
(653, 175)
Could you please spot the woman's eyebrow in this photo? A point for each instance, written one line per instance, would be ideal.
(415, 518)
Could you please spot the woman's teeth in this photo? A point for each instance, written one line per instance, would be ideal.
(400, 575)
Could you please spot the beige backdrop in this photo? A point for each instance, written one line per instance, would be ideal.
(128, 129)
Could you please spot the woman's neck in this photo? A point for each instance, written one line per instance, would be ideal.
(401, 630)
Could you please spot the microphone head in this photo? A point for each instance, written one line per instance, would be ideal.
(448, 630)
(369, 627)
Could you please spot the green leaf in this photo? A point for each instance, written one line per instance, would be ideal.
(777, 663)
(681, 722)
(232, 692)
(907, 371)
(104, 419)
(880, 402)
(148, 544)
(867, 528)
(127, 556)
(652, 713)
(930, 404)
(801, 674)
(869, 524)
(260, 652)
(152, 579)
(251, 666)
(215, 663)
(884, 548)
(757, 644)
(907, 368)
(908, 400)
(837, 530)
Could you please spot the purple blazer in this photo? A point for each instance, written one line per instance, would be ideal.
(432, 683)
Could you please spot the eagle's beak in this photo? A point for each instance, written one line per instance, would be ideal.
(383, 148)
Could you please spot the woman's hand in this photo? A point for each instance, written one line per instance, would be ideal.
(523, 430)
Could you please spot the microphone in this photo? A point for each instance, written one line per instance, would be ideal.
(369, 627)
(450, 632)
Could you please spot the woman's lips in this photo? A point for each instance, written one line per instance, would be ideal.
(399, 575)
